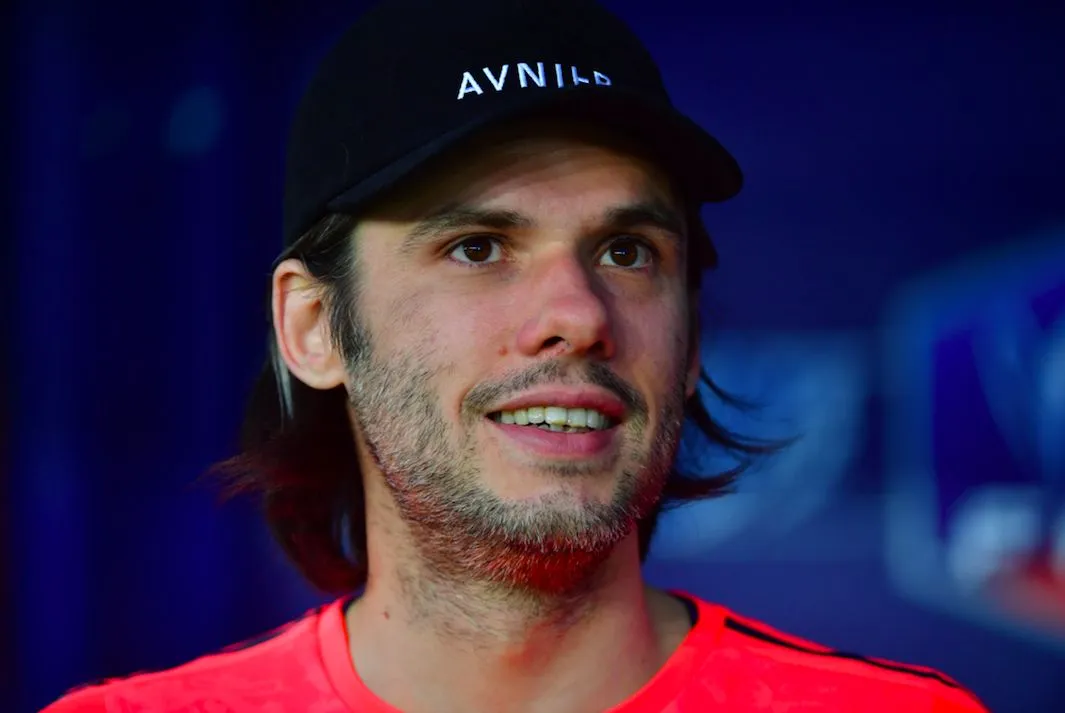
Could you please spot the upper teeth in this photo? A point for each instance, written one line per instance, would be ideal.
(555, 416)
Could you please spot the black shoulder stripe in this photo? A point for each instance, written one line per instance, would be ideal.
(250, 642)
(265, 636)
(763, 636)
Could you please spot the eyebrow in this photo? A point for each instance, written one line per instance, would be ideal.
(454, 216)
(650, 212)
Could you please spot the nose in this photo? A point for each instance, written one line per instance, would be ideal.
(568, 314)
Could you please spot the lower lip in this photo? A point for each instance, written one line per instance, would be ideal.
(558, 444)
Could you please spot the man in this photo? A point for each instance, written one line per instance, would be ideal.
(485, 345)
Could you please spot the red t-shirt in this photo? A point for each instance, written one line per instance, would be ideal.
(726, 663)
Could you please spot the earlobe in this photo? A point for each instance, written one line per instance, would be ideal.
(301, 327)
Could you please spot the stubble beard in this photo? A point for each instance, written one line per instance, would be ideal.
(464, 533)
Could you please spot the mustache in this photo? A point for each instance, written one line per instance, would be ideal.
(482, 397)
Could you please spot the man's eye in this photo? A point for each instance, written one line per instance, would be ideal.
(627, 252)
(477, 250)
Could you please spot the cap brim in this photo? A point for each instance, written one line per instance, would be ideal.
(705, 170)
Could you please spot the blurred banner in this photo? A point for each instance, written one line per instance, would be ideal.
(974, 363)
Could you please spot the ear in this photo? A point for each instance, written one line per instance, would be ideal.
(301, 327)
(695, 366)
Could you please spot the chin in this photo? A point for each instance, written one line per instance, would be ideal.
(561, 492)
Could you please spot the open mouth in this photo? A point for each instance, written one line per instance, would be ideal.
(556, 419)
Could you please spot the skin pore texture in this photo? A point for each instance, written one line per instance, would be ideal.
(504, 572)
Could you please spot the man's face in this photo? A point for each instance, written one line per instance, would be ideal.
(528, 348)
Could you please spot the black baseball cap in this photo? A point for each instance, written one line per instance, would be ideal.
(414, 79)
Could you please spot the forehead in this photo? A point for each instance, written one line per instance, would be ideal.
(539, 160)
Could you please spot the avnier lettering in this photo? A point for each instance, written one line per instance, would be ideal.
(524, 76)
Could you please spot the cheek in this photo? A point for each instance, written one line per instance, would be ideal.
(655, 341)
(471, 326)
(407, 325)
(455, 337)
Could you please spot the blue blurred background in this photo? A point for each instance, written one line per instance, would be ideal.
(893, 288)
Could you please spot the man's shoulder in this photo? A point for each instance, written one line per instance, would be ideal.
(796, 667)
(243, 676)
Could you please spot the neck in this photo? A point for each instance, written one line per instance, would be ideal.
(424, 644)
